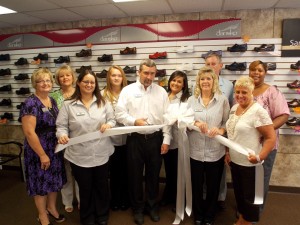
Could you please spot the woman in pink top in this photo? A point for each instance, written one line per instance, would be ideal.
(275, 103)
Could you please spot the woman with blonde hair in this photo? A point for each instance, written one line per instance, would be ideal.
(115, 82)
(65, 79)
(211, 110)
(44, 170)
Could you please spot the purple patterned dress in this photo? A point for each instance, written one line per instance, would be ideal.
(42, 182)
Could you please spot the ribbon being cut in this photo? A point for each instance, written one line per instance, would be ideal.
(184, 120)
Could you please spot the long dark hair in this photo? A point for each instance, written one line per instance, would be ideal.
(185, 89)
(77, 94)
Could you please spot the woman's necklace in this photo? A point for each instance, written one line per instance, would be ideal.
(67, 94)
(206, 100)
(245, 110)
(46, 102)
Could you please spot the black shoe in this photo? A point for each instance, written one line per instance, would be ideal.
(128, 69)
(41, 57)
(61, 218)
(207, 223)
(102, 223)
(153, 213)
(265, 48)
(84, 53)
(23, 91)
(62, 59)
(5, 102)
(5, 88)
(294, 103)
(138, 218)
(21, 62)
(294, 84)
(20, 105)
(271, 66)
(238, 48)
(295, 66)
(124, 207)
(219, 53)
(83, 68)
(102, 74)
(22, 76)
(105, 58)
(236, 66)
(114, 207)
(198, 222)
(4, 57)
(161, 73)
(4, 72)
(293, 122)
(8, 116)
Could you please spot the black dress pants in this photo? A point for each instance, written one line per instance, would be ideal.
(170, 162)
(119, 177)
(93, 192)
(211, 172)
(144, 153)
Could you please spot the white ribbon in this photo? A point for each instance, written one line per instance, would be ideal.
(107, 133)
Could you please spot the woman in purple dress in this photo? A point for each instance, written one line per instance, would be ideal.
(44, 170)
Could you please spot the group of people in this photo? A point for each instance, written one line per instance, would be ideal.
(111, 172)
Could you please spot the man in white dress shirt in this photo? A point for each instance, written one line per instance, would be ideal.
(140, 104)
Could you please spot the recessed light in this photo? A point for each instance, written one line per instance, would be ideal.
(4, 10)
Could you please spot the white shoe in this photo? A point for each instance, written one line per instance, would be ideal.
(187, 49)
(185, 67)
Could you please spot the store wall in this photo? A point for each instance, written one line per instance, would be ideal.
(255, 23)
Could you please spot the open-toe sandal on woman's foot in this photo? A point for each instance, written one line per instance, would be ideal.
(69, 209)
(61, 218)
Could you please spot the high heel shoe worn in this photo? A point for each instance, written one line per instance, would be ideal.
(38, 219)
(61, 218)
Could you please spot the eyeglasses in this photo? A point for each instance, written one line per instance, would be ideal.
(43, 82)
(86, 82)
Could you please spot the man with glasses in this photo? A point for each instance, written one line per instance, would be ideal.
(144, 103)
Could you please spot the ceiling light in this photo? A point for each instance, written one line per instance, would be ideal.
(4, 10)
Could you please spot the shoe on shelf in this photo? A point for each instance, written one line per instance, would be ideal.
(61, 218)
(102, 74)
(21, 62)
(83, 68)
(128, 69)
(22, 76)
(294, 84)
(238, 48)
(158, 55)
(84, 53)
(185, 67)
(41, 56)
(4, 72)
(4, 57)
(295, 66)
(265, 48)
(186, 49)
(8, 116)
(105, 58)
(161, 73)
(5, 102)
(218, 52)
(138, 218)
(293, 122)
(20, 105)
(294, 103)
(5, 88)
(271, 66)
(236, 66)
(128, 51)
(62, 59)
(23, 91)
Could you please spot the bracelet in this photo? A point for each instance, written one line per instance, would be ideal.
(258, 158)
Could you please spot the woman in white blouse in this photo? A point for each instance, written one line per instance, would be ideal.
(178, 93)
(250, 126)
(84, 113)
(211, 110)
